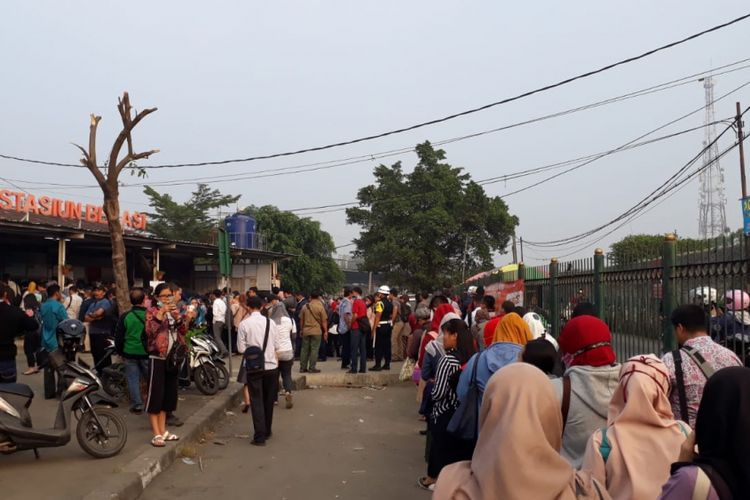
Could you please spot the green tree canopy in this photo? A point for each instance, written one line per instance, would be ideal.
(190, 221)
(637, 247)
(313, 266)
(415, 226)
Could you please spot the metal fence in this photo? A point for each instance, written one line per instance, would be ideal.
(634, 294)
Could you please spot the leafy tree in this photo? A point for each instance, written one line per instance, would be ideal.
(313, 266)
(416, 226)
(190, 221)
(639, 247)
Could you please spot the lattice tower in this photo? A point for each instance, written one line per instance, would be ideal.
(712, 217)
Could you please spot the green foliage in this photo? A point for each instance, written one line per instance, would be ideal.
(190, 221)
(415, 226)
(313, 267)
(638, 247)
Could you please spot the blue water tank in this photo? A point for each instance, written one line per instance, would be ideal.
(241, 229)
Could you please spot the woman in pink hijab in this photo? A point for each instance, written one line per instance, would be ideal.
(518, 452)
(632, 455)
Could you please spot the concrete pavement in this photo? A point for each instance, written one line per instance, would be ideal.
(335, 443)
(74, 475)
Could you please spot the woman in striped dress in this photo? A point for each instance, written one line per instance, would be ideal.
(445, 448)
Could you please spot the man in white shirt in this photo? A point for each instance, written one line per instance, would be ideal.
(73, 302)
(263, 386)
(220, 317)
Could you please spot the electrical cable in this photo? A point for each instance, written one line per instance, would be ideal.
(506, 100)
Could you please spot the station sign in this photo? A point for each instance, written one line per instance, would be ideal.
(65, 209)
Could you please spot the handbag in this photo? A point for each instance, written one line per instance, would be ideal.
(254, 357)
(176, 355)
(416, 374)
(464, 423)
(407, 370)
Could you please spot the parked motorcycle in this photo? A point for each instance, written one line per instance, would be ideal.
(71, 331)
(100, 432)
(113, 376)
(200, 367)
(219, 363)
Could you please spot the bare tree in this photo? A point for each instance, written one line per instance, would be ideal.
(107, 178)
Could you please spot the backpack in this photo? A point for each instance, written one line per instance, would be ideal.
(254, 357)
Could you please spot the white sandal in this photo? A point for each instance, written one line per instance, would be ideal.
(168, 436)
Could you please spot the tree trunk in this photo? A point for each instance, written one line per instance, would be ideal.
(119, 264)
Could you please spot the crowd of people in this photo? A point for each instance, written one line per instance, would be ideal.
(512, 412)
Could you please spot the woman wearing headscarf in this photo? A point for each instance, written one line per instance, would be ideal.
(31, 289)
(518, 452)
(512, 328)
(721, 469)
(481, 317)
(632, 454)
(592, 376)
(285, 350)
(445, 448)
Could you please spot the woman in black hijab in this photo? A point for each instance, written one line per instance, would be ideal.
(722, 433)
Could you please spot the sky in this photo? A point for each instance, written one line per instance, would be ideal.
(239, 79)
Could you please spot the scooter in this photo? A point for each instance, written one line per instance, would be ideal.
(113, 376)
(200, 367)
(101, 432)
(219, 363)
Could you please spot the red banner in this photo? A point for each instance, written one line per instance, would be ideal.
(512, 291)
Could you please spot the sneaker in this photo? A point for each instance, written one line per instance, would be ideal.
(314, 370)
(174, 421)
(289, 402)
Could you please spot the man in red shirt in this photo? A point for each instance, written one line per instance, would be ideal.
(358, 337)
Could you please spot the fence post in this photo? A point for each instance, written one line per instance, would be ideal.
(522, 278)
(598, 288)
(555, 303)
(669, 256)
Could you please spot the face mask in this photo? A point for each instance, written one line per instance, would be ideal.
(159, 304)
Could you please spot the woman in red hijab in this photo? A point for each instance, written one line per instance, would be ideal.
(592, 378)
(437, 317)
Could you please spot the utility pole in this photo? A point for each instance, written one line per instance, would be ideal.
(741, 138)
(515, 251)
(463, 265)
(521, 238)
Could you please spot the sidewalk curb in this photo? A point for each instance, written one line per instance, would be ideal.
(131, 480)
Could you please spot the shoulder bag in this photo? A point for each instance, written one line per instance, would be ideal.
(254, 357)
(464, 423)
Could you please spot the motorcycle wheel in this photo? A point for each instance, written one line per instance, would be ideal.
(223, 373)
(105, 441)
(206, 379)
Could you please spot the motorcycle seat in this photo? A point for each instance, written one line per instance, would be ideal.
(17, 389)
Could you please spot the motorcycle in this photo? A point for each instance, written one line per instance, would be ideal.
(100, 432)
(113, 376)
(71, 331)
(200, 367)
(219, 363)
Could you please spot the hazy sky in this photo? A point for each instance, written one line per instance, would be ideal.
(237, 79)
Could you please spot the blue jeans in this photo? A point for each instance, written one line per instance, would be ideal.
(134, 369)
(359, 351)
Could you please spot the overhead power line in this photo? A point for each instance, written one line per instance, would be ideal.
(585, 161)
(453, 116)
(667, 186)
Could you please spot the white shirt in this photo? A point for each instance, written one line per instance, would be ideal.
(252, 332)
(285, 335)
(73, 305)
(220, 311)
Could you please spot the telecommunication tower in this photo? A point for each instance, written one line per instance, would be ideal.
(712, 219)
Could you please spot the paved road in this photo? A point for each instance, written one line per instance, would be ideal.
(334, 444)
(67, 472)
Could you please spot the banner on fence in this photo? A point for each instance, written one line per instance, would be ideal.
(746, 215)
(512, 290)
